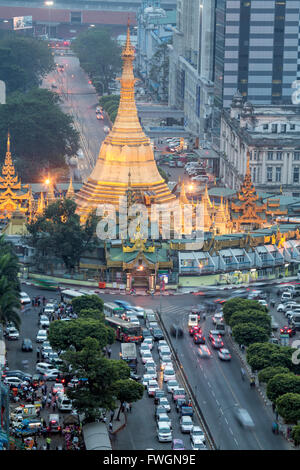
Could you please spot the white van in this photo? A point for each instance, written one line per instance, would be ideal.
(192, 320)
(45, 368)
(286, 296)
(64, 403)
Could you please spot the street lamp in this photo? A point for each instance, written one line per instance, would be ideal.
(49, 3)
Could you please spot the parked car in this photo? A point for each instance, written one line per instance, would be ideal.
(12, 334)
(41, 336)
(14, 381)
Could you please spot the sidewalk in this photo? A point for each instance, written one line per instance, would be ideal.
(262, 392)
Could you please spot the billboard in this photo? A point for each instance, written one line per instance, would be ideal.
(22, 22)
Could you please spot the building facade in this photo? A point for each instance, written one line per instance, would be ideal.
(271, 135)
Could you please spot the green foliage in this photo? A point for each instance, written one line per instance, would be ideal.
(258, 317)
(281, 384)
(239, 305)
(58, 232)
(268, 373)
(91, 313)
(159, 68)
(163, 174)
(248, 333)
(92, 302)
(99, 55)
(296, 434)
(111, 105)
(23, 62)
(41, 134)
(262, 355)
(127, 390)
(288, 406)
(64, 334)
(9, 284)
(102, 375)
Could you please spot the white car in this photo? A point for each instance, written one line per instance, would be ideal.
(45, 368)
(152, 372)
(139, 311)
(218, 317)
(51, 375)
(150, 364)
(146, 355)
(163, 401)
(197, 434)
(164, 418)
(186, 424)
(41, 336)
(164, 350)
(151, 387)
(146, 378)
(198, 445)
(13, 381)
(44, 321)
(263, 302)
(133, 319)
(166, 362)
(48, 311)
(171, 385)
(148, 341)
(169, 374)
(162, 343)
(144, 348)
(281, 308)
(24, 298)
(164, 432)
(12, 333)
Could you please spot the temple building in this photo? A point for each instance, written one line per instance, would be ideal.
(12, 198)
(126, 150)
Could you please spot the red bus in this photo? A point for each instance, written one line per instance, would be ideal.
(125, 331)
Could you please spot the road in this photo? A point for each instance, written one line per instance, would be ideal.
(80, 100)
(216, 384)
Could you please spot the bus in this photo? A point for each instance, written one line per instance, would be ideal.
(110, 309)
(125, 331)
(70, 294)
(46, 284)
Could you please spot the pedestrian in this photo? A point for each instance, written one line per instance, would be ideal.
(130, 407)
(44, 301)
(273, 407)
(39, 302)
(109, 352)
(104, 350)
(127, 407)
(54, 406)
(48, 442)
(204, 316)
(32, 301)
(110, 426)
(112, 414)
(48, 402)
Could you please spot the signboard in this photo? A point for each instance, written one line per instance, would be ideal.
(22, 22)
(284, 340)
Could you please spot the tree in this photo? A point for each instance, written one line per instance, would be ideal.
(105, 377)
(9, 285)
(258, 317)
(127, 390)
(248, 333)
(262, 355)
(238, 305)
(99, 55)
(64, 334)
(281, 384)
(268, 373)
(159, 68)
(91, 313)
(58, 232)
(23, 62)
(92, 302)
(288, 406)
(41, 134)
(296, 435)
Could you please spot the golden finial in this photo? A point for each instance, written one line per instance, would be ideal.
(8, 143)
(128, 49)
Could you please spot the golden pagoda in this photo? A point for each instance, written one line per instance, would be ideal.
(70, 192)
(11, 199)
(126, 149)
(249, 210)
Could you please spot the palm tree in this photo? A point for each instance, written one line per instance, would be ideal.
(9, 285)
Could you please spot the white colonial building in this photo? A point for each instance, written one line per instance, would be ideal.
(270, 133)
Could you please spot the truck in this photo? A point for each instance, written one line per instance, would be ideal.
(25, 412)
(192, 320)
(128, 354)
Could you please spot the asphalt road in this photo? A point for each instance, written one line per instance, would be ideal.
(79, 99)
(217, 385)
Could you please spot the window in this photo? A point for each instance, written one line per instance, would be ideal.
(292, 127)
(278, 174)
(274, 128)
(269, 174)
(279, 156)
(75, 17)
(254, 174)
(265, 127)
(296, 174)
(283, 128)
(270, 155)
(296, 155)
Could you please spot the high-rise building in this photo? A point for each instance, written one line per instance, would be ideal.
(221, 46)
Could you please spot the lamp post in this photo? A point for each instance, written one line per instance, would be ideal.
(49, 4)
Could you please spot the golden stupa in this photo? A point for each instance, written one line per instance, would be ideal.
(126, 150)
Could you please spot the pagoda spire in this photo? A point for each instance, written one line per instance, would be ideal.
(183, 197)
(70, 192)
